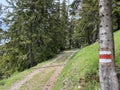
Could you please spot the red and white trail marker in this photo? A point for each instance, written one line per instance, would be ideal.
(105, 57)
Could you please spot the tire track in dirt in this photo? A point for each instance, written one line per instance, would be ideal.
(57, 66)
(51, 82)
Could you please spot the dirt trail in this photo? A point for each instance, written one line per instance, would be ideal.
(49, 85)
(58, 66)
(51, 82)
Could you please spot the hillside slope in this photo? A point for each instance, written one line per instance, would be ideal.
(82, 70)
(40, 77)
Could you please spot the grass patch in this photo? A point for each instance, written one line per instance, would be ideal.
(64, 57)
(38, 81)
(82, 70)
(6, 83)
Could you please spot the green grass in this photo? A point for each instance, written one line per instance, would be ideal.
(6, 83)
(18, 76)
(117, 47)
(38, 81)
(66, 55)
(84, 66)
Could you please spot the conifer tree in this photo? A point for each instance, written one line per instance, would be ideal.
(36, 33)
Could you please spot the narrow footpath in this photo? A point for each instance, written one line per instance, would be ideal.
(55, 66)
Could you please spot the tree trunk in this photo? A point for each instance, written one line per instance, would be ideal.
(107, 74)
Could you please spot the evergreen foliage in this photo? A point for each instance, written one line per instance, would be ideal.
(37, 31)
(87, 23)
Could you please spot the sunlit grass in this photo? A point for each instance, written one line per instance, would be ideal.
(83, 64)
(38, 81)
(6, 83)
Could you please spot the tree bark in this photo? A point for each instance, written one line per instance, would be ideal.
(107, 74)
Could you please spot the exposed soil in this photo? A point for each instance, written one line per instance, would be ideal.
(49, 85)
(54, 64)
(51, 82)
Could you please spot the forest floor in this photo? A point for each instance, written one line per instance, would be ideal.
(44, 77)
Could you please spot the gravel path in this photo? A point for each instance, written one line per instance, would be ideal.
(50, 83)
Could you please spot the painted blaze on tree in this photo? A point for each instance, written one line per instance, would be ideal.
(107, 74)
(105, 56)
